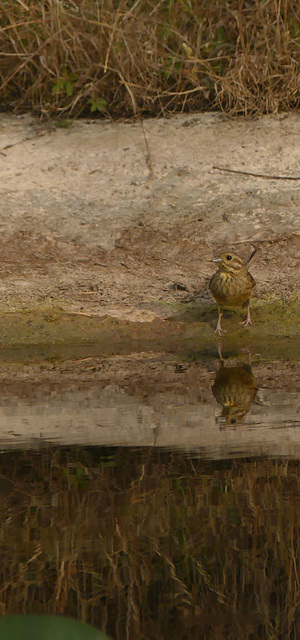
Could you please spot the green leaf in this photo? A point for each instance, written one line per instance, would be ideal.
(23, 627)
(221, 35)
(69, 87)
(97, 104)
(65, 83)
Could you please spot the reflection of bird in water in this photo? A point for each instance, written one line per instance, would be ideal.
(235, 389)
(232, 285)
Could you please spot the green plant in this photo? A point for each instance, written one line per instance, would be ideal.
(97, 104)
(65, 83)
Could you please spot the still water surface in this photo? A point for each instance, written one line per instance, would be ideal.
(153, 496)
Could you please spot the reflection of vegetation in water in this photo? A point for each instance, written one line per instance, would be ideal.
(235, 389)
(151, 544)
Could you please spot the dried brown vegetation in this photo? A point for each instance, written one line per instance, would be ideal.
(150, 544)
(79, 57)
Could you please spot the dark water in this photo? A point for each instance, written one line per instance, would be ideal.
(158, 499)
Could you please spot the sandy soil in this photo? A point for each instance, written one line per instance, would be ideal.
(86, 225)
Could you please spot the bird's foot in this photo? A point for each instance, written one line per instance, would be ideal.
(246, 323)
(219, 330)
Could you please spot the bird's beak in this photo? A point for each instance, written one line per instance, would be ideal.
(216, 259)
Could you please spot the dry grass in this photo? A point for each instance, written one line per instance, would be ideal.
(152, 545)
(82, 57)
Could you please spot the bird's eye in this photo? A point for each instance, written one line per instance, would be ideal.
(233, 421)
(229, 257)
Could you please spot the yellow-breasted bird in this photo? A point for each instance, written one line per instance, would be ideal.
(231, 286)
(235, 389)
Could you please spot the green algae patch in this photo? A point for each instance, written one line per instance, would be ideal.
(269, 317)
(109, 335)
(276, 325)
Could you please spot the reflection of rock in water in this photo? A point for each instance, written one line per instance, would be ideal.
(235, 389)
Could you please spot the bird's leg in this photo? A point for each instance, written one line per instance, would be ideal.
(218, 328)
(248, 350)
(248, 321)
(219, 347)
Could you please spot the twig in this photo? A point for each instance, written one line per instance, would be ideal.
(134, 7)
(26, 62)
(23, 5)
(13, 144)
(138, 116)
(150, 163)
(87, 315)
(257, 175)
(252, 254)
(111, 38)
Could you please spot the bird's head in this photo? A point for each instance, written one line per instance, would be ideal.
(229, 262)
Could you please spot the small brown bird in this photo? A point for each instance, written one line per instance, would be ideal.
(231, 286)
(235, 389)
